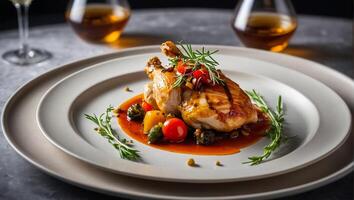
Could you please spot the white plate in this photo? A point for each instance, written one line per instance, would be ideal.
(61, 111)
(55, 162)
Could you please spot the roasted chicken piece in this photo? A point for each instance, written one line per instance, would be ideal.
(170, 49)
(220, 107)
(159, 92)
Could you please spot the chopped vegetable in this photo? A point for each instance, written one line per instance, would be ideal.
(146, 106)
(204, 137)
(196, 59)
(152, 118)
(182, 67)
(191, 162)
(135, 112)
(175, 130)
(202, 75)
(155, 134)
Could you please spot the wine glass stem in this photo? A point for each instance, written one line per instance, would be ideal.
(22, 16)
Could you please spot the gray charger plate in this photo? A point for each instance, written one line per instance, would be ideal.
(57, 163)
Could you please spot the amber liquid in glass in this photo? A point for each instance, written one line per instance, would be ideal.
(99, 23)
(266, 31)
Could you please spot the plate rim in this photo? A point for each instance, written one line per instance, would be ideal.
(169, 178)
(282, 192)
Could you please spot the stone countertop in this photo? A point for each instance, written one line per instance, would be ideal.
(321, 39)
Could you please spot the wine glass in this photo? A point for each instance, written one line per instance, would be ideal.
(24, 55)
(265, 24)
(98, 21)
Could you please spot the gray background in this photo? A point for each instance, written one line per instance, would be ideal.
(322, 39)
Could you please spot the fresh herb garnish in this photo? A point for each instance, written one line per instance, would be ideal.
(196, 59)
(275, 132)
(181, 79)
(174, 61)
(105, 129)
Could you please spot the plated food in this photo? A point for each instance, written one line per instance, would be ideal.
(189, 106)
(60, 118)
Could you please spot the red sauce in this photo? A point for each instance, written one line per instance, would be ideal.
(221, 147)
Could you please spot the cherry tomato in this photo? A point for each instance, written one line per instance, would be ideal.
(175, 130)
(202, 74)
(181, 67)
(146, 106)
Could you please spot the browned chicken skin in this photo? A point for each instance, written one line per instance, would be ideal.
(159, 92)
(169, 49)
(220, 107)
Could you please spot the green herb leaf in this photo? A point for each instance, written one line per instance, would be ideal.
(197, 58)
(275, 132)
(105, 129)
(179, 81)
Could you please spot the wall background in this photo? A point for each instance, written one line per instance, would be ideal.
(52, 11)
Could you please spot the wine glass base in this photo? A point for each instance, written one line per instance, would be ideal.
(32, 56)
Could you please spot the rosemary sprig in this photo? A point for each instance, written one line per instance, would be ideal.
(105, 129)
(179, 81)
(198, 58)
(275, 132)
(173, 61)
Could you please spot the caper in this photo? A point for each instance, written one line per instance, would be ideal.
(191, 162)
(218, 163)
(127, 89)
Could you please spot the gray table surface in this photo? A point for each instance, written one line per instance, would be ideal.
(325, 40)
